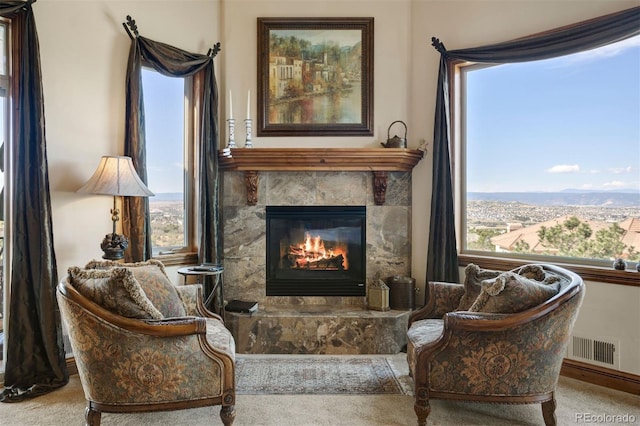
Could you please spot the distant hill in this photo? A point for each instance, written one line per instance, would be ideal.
(565, 198)
(167, 196)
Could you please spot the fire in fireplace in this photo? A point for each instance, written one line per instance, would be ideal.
(312, 254)
(316, 250)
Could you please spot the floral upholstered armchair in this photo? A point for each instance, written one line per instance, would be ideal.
(500, 337)
(142, 344)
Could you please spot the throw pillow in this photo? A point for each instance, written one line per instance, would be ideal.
(537, 272)
(114, 289)
(472, 284)
(510, 293)
(533, 272)
(153, 279)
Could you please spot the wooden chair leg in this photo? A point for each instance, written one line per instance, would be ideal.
(422, 409)
(92, 416)
(549, 411)
(228, 414)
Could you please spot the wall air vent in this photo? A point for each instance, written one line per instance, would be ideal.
(600, 351)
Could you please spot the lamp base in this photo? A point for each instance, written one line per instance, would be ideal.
(114, 246)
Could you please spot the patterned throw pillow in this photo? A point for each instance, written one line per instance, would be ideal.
(510, 293)
(154, 282)
(114, 289)
(472, 284)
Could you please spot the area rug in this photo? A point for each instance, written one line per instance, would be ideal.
(295, 375)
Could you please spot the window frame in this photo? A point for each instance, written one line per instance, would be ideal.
(501, 261)
(187, 254)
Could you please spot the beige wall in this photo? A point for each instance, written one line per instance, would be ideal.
(84, 52)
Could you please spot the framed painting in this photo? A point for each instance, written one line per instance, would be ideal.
(315, 77)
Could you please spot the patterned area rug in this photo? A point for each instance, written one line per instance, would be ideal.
(293, 374)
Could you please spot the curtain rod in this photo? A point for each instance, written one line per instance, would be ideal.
(131, 23)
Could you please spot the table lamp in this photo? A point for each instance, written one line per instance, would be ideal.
(115, 176)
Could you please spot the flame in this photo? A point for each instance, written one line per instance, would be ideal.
(313, 250)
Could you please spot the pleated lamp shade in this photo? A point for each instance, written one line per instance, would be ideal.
(116, 175)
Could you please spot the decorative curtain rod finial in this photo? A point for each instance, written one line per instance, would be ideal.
(435, 42)
(214, 50)
(131, 23)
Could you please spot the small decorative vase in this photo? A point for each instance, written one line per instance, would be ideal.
(638, 267)
(619, 264)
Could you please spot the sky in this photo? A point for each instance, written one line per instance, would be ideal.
(584, 134)
(164, 115)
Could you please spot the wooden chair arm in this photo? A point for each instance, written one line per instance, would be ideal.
(193, 297)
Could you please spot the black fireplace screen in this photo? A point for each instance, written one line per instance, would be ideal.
(316, 250)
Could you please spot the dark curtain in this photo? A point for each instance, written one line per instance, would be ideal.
(442, 258)
(171, 61)
(35, 353)
(442, 255)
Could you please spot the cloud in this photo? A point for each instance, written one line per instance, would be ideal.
(564, 168)
(614, 184)
(621, 170)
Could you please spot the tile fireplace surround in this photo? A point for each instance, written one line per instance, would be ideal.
(379, 179)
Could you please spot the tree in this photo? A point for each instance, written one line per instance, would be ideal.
(573, 238)
(522, 247)
(608, 243)
(633, 255)
(570, 238)
(484, 238)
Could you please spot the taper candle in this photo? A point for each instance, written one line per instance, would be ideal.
(249, 105)
(230, 105)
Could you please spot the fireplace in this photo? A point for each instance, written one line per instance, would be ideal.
(315, 250)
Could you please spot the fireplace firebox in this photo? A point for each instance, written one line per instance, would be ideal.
(316, 250)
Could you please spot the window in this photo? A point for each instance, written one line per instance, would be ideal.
(170, 162)
(548, 158)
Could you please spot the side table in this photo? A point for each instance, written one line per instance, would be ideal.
(213, 293)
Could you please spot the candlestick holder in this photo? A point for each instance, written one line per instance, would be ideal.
(231, 144)
(248, 143)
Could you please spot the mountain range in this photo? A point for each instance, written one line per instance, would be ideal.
(569, 197)
(613, 199)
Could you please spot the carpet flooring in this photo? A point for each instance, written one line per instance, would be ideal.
(576, 400)
(318, 375)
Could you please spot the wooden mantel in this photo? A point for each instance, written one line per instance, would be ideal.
(320, 159)
(376, 160)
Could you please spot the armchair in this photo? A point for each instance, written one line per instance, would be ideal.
(468, 344)
(129, 364)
